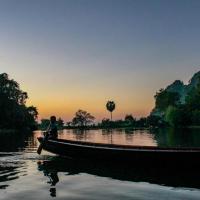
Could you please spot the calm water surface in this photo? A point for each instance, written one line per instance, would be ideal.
(26, 175)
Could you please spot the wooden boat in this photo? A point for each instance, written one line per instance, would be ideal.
(137, 155)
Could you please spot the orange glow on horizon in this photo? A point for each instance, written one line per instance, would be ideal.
(66, 110)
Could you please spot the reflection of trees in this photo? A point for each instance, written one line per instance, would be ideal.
(81, 134)
(140, 137)
(129, 134)
(11, 142)
(32, 141)
(121, 171)
(129, 131)
(177, 137)
(108, 135)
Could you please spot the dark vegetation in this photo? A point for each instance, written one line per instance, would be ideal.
(84, 120)
(171, 111)
(14, 114)
(110, 105)
(178, 106)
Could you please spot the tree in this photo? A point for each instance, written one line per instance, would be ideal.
(192, 105)
(10, 90)
(68, 124)
(44, 124)
(172, 115)
(60, 123)
(164, 99)
(82, 118)
(193, 98)
(32, 111)
(154, 121)
(130, 120)
(106, 123)
(14, 112)
(177, 116)
(142, 122)
(195, 117)
(110, 105)
(31, 116)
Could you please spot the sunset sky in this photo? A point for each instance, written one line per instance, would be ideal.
(77, 54)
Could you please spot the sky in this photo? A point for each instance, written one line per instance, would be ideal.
(78, 54)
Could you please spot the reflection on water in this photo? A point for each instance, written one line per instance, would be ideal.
(177, 138)
(26, 175)
(115, 136)
(158, 137)
(8, 172)
(168, 177)
(52, 175)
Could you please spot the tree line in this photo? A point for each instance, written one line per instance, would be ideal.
(172, 112)
(15, 114)
(84, 119)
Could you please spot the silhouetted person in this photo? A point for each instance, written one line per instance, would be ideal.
(51, 133)
(52, 192)
(52, 129)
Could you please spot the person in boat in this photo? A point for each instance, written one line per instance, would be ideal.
(52, 130)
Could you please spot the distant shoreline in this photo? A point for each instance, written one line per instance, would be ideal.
(96, 128)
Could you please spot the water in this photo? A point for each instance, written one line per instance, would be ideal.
(158, 137)
(26, 175)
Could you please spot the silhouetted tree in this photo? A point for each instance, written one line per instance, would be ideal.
(178, 116)
(60, 123)
(164, 99)
(68, 124)
(130, 120)
(82, 118)
(142, 122)
(32, 111)
(105, 123)
(193, 98)
(110, 105)
(14, 113)
(155, 121)
(31, 117)
(44, 124)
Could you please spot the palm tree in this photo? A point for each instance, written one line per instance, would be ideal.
(110, 105)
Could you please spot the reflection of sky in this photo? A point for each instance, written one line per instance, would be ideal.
(136, 137)
(77, 54)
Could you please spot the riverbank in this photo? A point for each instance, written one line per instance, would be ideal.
(8, 131)
(193, 127)
(101, 127)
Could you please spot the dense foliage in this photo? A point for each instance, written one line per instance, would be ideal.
(46, 122)
(82, 118)
(129, 122)
(164, 99)
(14, 114)
(176, 113)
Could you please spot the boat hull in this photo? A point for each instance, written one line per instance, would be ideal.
(135, 155)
